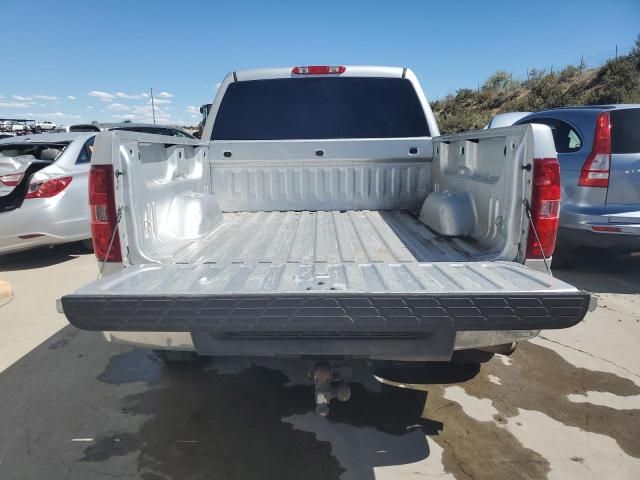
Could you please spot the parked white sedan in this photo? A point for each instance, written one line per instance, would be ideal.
(46, 126)
(43, 190)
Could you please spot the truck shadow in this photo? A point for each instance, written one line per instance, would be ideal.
(257, 424)
(600, 271)
(41, 257)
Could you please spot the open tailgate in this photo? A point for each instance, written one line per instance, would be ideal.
(307, 300)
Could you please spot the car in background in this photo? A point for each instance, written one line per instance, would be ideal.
(599, 152)
(505, 119)
(46, 126)
(18, 126)
(43, 190)
(130, 127)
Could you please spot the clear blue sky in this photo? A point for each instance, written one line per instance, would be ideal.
(70, 49)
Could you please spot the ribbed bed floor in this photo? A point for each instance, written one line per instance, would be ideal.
(323, 237)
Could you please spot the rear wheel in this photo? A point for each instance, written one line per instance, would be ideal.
(471, 357)
(563, 258)
(177, 356)
(87, 245)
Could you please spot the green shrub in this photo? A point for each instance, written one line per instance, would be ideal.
(500, 80)
(617, 81)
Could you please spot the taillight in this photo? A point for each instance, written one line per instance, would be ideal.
(48, 188)
(103, 216)
(11, 180)
(318, 70)
(595, 171)
(545, 208)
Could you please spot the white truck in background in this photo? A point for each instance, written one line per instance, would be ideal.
(323, 218)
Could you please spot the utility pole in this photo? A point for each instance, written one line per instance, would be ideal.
(153, 107)
(616, 52)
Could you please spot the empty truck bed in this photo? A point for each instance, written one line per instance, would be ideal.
(323, 237)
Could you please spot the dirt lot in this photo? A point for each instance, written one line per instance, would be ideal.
(566, 405)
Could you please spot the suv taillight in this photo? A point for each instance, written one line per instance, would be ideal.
(545, 208)
(595, 171)
(102, 206)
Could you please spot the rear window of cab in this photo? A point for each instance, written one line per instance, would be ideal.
(320, 108)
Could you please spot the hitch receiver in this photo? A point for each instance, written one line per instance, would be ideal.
(323, 377)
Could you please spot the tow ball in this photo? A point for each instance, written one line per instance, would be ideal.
(327, 388)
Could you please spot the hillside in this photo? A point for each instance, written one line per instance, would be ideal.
(617, 81)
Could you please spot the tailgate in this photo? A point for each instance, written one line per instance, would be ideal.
(623, 195)
(346, 300)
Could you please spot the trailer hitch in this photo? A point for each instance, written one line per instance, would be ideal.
(328, 385)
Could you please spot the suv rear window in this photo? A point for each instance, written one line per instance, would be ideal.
(566, 138)
(625, 131)
(84, 128)
(320, 108)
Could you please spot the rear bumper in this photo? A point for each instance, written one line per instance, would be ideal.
(390, 327)
(16, 244)
(626, 240)
(43, 223)
(588, 226)
(467, 339)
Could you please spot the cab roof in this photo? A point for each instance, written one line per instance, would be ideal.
(350, 71)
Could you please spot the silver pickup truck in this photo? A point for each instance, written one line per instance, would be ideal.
(323, 217)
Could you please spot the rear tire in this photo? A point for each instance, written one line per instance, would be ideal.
(471, 357)
(177, 356)
(87, 245)
(563, 258)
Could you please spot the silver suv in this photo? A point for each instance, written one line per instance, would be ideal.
(599, 152)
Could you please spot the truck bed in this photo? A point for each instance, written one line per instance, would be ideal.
(323, 237)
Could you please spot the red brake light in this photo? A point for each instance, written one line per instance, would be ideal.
(545, 208)
(48, 188)
(606, 229)
(102, 206)
(595, 171)
(11, 180)
(318, 70)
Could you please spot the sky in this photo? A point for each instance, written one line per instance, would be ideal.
(74, 61)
